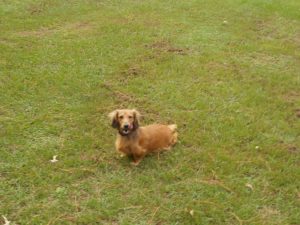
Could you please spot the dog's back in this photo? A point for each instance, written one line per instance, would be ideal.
(157, 137)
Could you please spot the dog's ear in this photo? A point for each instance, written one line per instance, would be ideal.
(137, 117)
(114, 119)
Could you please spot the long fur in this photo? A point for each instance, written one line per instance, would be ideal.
(140, 141)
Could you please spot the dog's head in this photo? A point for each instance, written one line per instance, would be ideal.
(125, 120)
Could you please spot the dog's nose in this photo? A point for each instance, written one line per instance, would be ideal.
(126, 126)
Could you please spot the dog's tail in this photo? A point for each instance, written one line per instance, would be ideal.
(173, 127)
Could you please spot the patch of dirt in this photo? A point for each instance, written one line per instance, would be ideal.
(93, 158)
(121, 98)
(265, 29)
(268, 61)
(151, 23)
(37, 33)
(165, 46)
(293, 149)
(292, 96)
(35, 9)
(297, 113)
(128, 72)
(40, 6)
(289, 147)
(217, 65)
(46, 31)
(269, 214)
(132, 71)
(152, 116)
(79, 25)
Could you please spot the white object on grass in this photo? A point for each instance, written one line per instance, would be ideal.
(249, 186)
(6, 221)
(192, 212)
(256, 147)
(54, 160)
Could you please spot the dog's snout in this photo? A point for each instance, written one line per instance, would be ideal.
(126, 126)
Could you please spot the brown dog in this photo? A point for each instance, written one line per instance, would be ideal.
(136, 141)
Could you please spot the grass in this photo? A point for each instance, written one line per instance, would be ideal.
(64, 65)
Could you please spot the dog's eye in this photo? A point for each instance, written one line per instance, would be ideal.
(121, 117)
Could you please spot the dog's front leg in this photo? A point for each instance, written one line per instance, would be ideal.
(119, 150)
(138, 154)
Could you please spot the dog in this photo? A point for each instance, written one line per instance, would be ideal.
(133, 140)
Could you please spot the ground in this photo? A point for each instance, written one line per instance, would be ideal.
(227, 72)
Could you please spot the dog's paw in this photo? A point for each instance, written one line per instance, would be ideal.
(122, 155)
(167, 148)
(135, 163)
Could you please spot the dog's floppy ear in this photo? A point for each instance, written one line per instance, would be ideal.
(137, 117)
(114, 119)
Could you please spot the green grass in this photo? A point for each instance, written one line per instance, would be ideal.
(64, 65)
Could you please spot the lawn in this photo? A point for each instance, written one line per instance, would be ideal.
(227, 72)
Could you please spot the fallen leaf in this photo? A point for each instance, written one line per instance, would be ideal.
(54, 160)
(249, 186)
(192, 212)
(6, 222)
